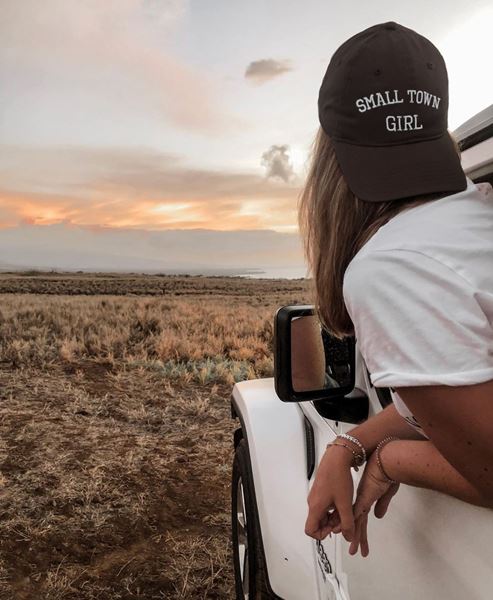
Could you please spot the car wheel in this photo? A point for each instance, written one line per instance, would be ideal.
(248, 556)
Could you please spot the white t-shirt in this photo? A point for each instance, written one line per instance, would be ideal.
(420, 295)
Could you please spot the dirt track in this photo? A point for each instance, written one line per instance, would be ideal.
(116, 439)
(117, 490)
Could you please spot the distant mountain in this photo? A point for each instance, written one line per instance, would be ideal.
(10, 267)
(70, 248)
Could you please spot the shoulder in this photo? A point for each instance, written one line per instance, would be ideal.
(386, 259)
(417, 321)
(404, 283)
(400, 267)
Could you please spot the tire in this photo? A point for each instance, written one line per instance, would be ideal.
(250, 571)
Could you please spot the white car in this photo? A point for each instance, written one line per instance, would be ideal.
(429, 546)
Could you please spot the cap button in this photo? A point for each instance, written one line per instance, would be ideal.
(390, 25)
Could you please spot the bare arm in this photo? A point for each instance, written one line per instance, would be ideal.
(386, 422)
(459, 423)
(421, 464)
(460, 420)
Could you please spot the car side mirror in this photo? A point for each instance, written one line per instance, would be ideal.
(310, 363)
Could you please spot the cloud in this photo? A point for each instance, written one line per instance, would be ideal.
(164, 12)
(261, 71)
(106, 53)
(139, 187)
(276, 161)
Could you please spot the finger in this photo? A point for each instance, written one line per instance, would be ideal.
(382, 505)
(353, 547)
(364, 501)
(361, 506)
(325, 527)
(325, 531)
(345, 510)
(315, 521)
(383, 502)
(334, 518)
(365, 549)
(320, 534)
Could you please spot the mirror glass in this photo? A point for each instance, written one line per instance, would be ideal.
(318, 359)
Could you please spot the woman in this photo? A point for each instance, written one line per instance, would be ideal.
(400, 244)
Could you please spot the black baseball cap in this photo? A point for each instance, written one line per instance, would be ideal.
(384, 103)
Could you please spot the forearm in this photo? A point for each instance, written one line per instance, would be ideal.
(386, 422)
(420, 464)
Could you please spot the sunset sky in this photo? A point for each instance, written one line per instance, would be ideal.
(174, 133)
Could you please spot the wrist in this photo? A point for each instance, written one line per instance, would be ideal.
(356, 446)
(384, 456)
(342, 453)
(355, 452)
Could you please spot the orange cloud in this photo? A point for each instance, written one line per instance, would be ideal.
(137, 189)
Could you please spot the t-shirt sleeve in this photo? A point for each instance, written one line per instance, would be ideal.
(417, 321)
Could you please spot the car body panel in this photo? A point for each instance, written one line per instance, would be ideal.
(428, 545)
(276, 441)
(478, 160)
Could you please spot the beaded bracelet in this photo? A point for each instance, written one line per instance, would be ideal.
(351, 438)
(358, 458)
(380, 445)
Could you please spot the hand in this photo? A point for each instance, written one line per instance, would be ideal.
(332, 490)
(372, 489)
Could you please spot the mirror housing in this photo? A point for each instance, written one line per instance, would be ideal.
(335, 402)
(283, 360)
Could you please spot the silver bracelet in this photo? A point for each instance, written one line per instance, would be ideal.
(355, 441)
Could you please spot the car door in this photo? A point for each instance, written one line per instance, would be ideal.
(428, 545)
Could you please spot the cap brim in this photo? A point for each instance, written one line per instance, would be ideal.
(380, 173)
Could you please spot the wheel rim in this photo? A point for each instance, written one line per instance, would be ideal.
(241, 529)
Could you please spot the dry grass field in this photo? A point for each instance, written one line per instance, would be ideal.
(116, 433)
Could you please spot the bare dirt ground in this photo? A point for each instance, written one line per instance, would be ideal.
(116, 433)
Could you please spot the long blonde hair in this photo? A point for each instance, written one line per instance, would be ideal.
(334, 224)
